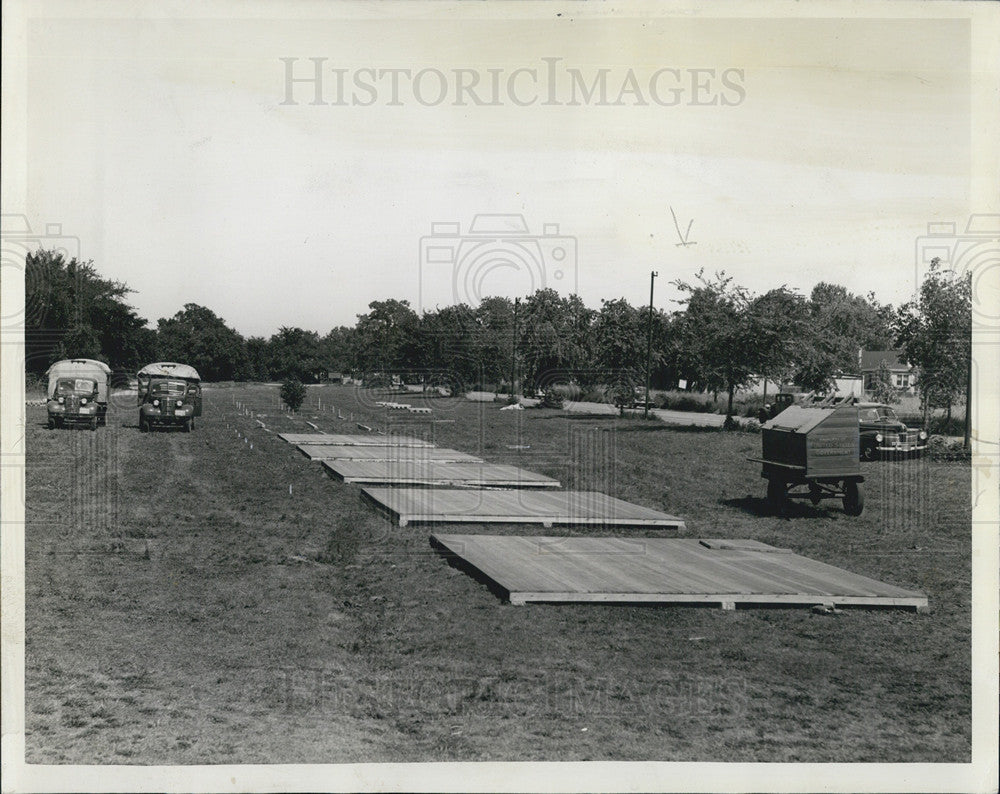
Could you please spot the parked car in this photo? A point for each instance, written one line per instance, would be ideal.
(883, 433)
(169, 394)
(78, 393)
(770, 410)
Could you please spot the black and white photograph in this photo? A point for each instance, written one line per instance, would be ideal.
(500, 396)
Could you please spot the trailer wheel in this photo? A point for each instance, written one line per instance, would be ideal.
(854, 498)
(815, 493)
(776, 495)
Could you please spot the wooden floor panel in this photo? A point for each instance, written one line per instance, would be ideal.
(436, 473)
(398, 453)
(547, 508)
(664, 570)
(373, 440)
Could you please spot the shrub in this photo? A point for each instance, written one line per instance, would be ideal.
(687, 401)
(293, 393)
(943, 448)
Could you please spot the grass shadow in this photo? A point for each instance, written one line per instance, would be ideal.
(759, 506)
(461, 564)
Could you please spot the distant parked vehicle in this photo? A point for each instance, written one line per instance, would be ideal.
(78, 393)
(169, 396)
(882, 433)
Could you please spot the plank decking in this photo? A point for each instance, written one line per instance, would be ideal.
(549, 508)
(417, 472)
(341, 452)
(353, 440)
(665, 570)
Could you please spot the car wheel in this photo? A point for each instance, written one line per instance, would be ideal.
(143, 425)
(187, 426)
(854, 498)
(868, 451)
(93, 424)
(52, 423)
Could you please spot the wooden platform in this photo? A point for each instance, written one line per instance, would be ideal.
(341, 452)
(515, 507)
(363, 440)
(430, 472)
(665, 570)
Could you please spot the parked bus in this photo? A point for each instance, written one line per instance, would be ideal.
(78, 393)
(169, 396)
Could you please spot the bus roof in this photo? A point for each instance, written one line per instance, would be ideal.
(170, 369)
(76, 366)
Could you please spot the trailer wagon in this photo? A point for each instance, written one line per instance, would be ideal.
(811, 452)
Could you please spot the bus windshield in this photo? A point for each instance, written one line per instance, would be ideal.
(68, 386)
(168, 387)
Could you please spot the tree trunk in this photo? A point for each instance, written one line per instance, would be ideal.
(729, 410)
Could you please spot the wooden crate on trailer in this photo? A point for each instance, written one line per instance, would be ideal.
(816, 447)
(822, 441)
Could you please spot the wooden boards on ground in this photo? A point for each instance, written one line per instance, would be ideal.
(664, 570)
(515, 507)
(430, 472)
(354, 440)
(341, 452)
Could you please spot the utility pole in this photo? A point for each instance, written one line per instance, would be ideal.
(513, 352)
(649, 342)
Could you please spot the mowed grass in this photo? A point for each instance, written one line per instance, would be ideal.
(185, 606)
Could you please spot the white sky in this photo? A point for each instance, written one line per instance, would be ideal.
(163, 146)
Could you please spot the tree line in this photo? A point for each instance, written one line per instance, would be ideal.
(719, 337)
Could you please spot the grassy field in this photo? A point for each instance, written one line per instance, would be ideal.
(214, 597)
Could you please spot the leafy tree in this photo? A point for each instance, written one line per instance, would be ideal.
(293, 393)
(781, 333)
(495, 321)
(553, 334)
(881, 388)
(337, 349)
(715, 336)
(387, 337)
(257, 365)
(449, 345)
(197, 336)
(71, 311)
(935, 331)
(842, 324)
(295, 353)
(620, 336)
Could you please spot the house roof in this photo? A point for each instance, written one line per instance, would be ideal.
(872, 359)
